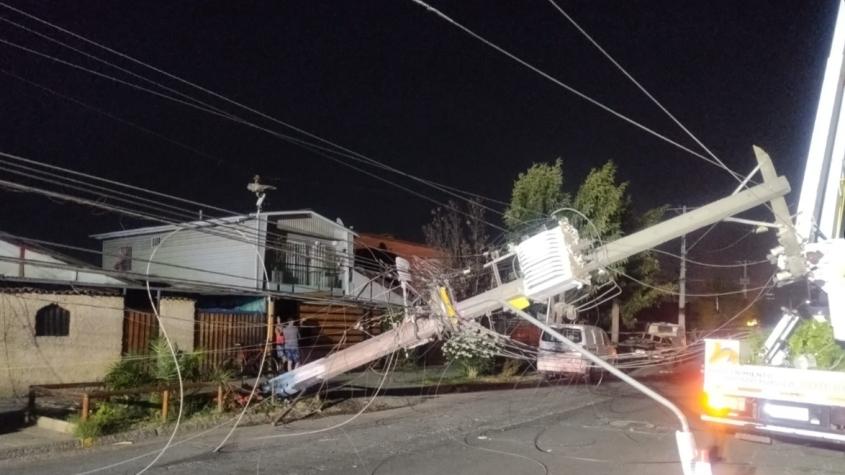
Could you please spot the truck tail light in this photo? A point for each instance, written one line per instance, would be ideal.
(720, 405)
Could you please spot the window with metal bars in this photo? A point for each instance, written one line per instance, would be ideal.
(52, 320)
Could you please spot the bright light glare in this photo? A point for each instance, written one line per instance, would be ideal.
(720, 405)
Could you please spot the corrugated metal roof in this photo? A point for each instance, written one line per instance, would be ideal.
(38, 247)
(400, 247)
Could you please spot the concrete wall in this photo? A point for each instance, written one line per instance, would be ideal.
(86, 354)
(177, 317)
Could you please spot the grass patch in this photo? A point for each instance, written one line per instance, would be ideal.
(109, 418)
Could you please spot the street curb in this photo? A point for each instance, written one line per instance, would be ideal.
(446, 388)
(132, 436)
(187, 427)
(412, 395)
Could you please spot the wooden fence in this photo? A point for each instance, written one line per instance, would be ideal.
(325, 328)
(139, 330)
(218, 334)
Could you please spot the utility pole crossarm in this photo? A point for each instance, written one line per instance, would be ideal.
(786, 229)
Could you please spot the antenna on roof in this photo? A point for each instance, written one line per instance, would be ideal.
(259, 189)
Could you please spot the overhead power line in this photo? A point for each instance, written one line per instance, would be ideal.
(565, 86)
(708, 264)
(288, 138)
(111, 116)
(101, 61)
(642, 88)
(348, 153)
(213, 226)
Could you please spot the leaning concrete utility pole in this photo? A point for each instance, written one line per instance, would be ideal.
(271, 324)
(614, 322)
(744, 281)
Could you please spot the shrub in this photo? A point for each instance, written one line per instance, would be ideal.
(815, 338)
(87, 429)
(472, 351)
(156, 369)
(511, 368)
(164, 368)
(110, 417)
(132, 371)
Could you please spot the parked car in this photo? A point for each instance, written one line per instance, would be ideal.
(658, 336)
(556, 359)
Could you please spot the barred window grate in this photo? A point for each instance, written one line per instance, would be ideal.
(52, 320)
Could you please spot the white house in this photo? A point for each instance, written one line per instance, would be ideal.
(292, 251)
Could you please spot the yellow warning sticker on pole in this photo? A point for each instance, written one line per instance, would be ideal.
(447, 303)
(520, 302)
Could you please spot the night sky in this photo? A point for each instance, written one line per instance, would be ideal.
(395, 82)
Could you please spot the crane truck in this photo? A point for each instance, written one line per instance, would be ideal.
(770, 389)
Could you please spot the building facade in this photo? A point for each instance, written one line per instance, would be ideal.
(291, 251)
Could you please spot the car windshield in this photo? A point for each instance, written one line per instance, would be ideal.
(574, 335)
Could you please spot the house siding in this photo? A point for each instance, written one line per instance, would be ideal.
(308, 229)
(310, 252)
(92, 346)
(218, 255)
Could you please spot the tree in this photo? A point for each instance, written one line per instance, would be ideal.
(603, 200)
(537, 193)
(461, 233)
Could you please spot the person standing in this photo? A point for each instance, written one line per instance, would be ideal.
(291, 335)
(279, 341)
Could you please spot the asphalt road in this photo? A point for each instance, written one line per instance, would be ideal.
(571, 429)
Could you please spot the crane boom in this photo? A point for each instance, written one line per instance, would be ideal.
(820, 203)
